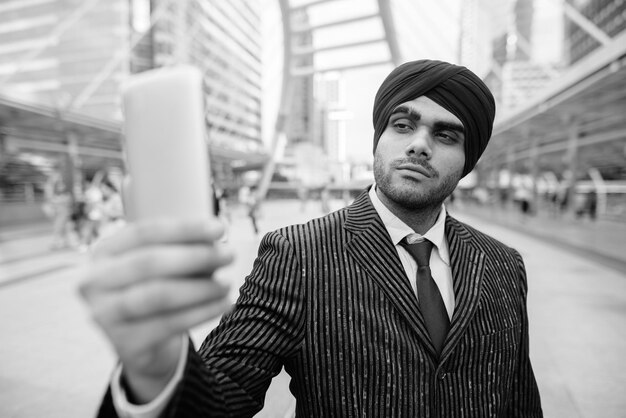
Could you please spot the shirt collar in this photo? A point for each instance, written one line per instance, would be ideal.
(397, 229)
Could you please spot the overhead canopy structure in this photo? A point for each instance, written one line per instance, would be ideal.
(354, 49)
(66, 132)
(585, 107)
(582, 111)
(42, 128)
(373, 13)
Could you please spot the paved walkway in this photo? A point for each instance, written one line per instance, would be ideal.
(55, 363)
(605, 241)
(25, 253)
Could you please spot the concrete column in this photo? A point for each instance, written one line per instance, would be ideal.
(510, 168)
(73, 175)
(600, 185)
(3, 145)
(572, 159)
(534, 164)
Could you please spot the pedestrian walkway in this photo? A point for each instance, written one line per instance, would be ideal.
(576, 308)
(25, 253)
(602, 240)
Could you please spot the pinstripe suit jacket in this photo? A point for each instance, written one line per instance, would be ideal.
(330, 301)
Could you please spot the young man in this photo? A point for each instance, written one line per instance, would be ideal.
(364, 324)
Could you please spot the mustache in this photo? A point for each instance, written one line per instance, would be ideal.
(417, 162)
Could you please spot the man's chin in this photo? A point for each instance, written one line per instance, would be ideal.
(413, 184)
(414, 196)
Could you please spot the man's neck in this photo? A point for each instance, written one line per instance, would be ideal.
(419, 220)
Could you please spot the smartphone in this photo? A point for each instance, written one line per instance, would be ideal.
(165, 145)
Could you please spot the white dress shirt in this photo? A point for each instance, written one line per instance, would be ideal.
(439, 257)
(126, 409)
(398, 230)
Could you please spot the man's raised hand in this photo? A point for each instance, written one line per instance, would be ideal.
(147, 285)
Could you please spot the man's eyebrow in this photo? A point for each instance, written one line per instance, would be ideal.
(450, 126)
(412, 113)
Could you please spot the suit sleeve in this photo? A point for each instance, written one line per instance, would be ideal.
(525, 400)
(230, 373)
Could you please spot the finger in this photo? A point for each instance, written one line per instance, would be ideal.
(133, 338)
(161, 231)
(160, 297)
(153, 263)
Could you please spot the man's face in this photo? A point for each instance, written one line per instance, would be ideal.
(420, 157)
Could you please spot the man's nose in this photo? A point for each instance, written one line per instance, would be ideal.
(420, 144)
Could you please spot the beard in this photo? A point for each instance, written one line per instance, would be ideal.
(408, 193)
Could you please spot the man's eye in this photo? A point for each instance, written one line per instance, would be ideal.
(447, 136)
(402, 127)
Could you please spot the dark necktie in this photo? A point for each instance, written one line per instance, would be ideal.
(430, 301)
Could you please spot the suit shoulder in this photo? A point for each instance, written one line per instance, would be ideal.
(315, 228)
(484, 241)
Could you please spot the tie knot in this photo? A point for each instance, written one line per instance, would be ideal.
(420, 251)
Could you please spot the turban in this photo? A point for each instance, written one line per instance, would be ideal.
(453, 87)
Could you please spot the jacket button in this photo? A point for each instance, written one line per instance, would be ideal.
(441, 375)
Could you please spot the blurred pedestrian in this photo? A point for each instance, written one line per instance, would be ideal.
(223, 196)
(79, 221)
(552, 199)
(387, 308)
(217, 201)
(220, 209)
(523, 194)
(58, 207)
(592, 204)
(247, 197)
(523, 197)
(564, 193)
(587, 205)
(94, 201)
(112, 208)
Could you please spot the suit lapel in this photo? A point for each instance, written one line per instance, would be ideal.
(467, 263)
(372, 249)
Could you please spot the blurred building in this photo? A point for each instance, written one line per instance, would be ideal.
(333, 114)
(54, 51)
(301, 126)
(608, 15)
(223, 39)
(62, 63)
(304, 159)
(475, 37)
(526, 48)
(557, 71)
(532, 41)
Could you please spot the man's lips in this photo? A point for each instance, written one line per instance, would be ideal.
(415, 168)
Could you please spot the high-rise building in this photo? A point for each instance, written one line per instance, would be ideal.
(223, 39)
(520, 49)
(526, 48)
(74, 54)
(331, 94)
(522, 80)
(54, 51)
(300, 127)
(534, 51)
(474, 51)
(607, 15)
